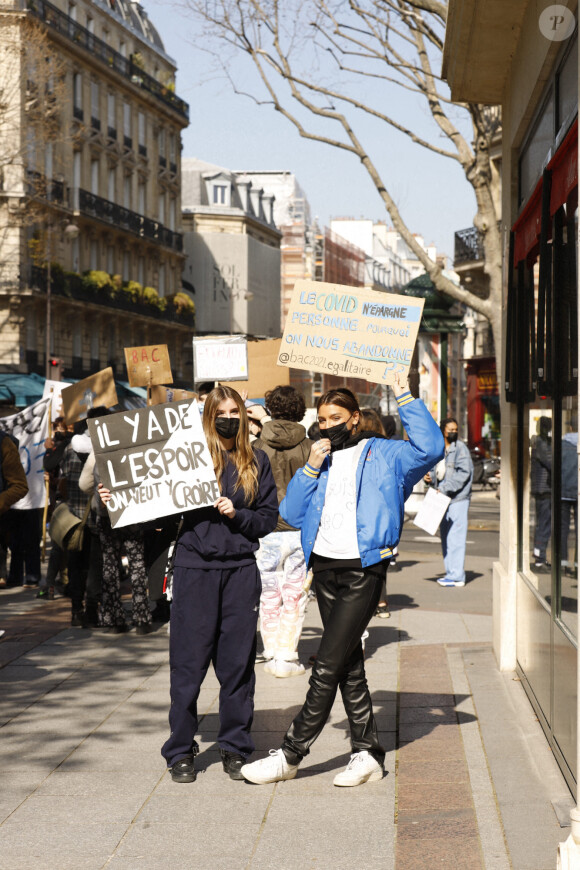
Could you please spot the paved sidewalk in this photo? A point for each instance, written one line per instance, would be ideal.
(470, 784)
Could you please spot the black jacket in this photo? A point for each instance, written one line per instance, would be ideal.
(541, 470)
(210, 540)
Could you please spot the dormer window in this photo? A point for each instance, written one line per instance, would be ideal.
(218, 188)
(219, 194)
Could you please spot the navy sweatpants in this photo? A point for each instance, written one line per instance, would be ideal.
(214, 617)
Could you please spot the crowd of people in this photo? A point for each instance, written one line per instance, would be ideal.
(297, 509)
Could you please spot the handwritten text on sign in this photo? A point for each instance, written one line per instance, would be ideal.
(350, 332)
(155, 461)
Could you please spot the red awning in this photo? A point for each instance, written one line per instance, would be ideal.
(527, 227)
(564, 169)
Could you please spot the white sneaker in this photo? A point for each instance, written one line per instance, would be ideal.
(270, 667)
(283, 669)
(273, 768)
(362, 767)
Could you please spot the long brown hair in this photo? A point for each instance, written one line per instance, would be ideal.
(242, 455)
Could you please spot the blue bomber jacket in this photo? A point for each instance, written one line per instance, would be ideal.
(386, 473)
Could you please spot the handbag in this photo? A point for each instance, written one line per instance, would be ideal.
(66, 529)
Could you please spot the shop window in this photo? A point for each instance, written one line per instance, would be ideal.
(541, 377)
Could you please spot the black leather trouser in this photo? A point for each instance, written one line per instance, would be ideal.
(347, 599)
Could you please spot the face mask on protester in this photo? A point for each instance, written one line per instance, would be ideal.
(337, 435)
(59, 436)
(452, 437)
(227, 427)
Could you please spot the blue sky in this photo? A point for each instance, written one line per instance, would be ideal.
(232, 131)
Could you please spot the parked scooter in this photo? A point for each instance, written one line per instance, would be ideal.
(486, 470)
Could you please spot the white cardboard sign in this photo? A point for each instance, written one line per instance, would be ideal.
(155, 461)
(220, 359)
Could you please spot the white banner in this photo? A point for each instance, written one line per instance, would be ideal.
(30, 428)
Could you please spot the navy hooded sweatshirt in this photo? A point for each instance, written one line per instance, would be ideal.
(211, 540)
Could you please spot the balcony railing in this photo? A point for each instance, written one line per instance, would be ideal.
(66, 26)
(37, 185)
(72, 286)
(123, 218)
(468, 246)
(143, 150)
(112, 132)
(95, 123)
(78, 113)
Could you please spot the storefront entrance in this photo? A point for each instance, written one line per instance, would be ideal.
(542, 380)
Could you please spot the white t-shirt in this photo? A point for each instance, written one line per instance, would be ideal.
(336, 536)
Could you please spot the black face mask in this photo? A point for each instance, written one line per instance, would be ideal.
(227, 427)
(452, 437)
(59, 436)
(337, 435)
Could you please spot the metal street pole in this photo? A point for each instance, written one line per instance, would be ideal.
(48, 300)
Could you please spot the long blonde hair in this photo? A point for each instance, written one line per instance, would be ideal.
(242, 455)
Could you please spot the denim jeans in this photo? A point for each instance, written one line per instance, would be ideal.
(543, 530)
(453, 530)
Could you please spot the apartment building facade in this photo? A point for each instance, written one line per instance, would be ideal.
(90, 250)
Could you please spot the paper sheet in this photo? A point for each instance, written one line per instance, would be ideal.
(432, 511)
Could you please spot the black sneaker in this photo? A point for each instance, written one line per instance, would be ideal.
(232, 763)
(184, 770)
(77, 619)
(542, 567)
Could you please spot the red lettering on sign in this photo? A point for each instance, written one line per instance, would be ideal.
(153, 357)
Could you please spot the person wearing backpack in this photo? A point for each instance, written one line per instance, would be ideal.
(280, 557)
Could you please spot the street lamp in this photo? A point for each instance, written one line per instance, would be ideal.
(242, 294)
(70, 232)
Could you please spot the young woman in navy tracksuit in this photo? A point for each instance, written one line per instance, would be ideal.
(216, 591)
(348, 501)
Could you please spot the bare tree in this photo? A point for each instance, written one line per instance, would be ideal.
(316, 60)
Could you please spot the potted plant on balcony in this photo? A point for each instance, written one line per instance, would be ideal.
(97, 283)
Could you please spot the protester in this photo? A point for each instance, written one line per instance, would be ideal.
(84, 566)
(57, 560)
(257, 417)
(203, 391)
(115, 543)
(541, 489)
(348, 502)
(216, 591)
(371, 422)
(280, 557)
(453, 477)
(13, 487)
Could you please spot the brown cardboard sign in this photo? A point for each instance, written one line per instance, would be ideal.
(148, 365)
(263, 372)
(79, 398)
(350, 331)
(159, 395)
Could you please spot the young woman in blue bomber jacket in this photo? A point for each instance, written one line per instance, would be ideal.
(348, 501)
